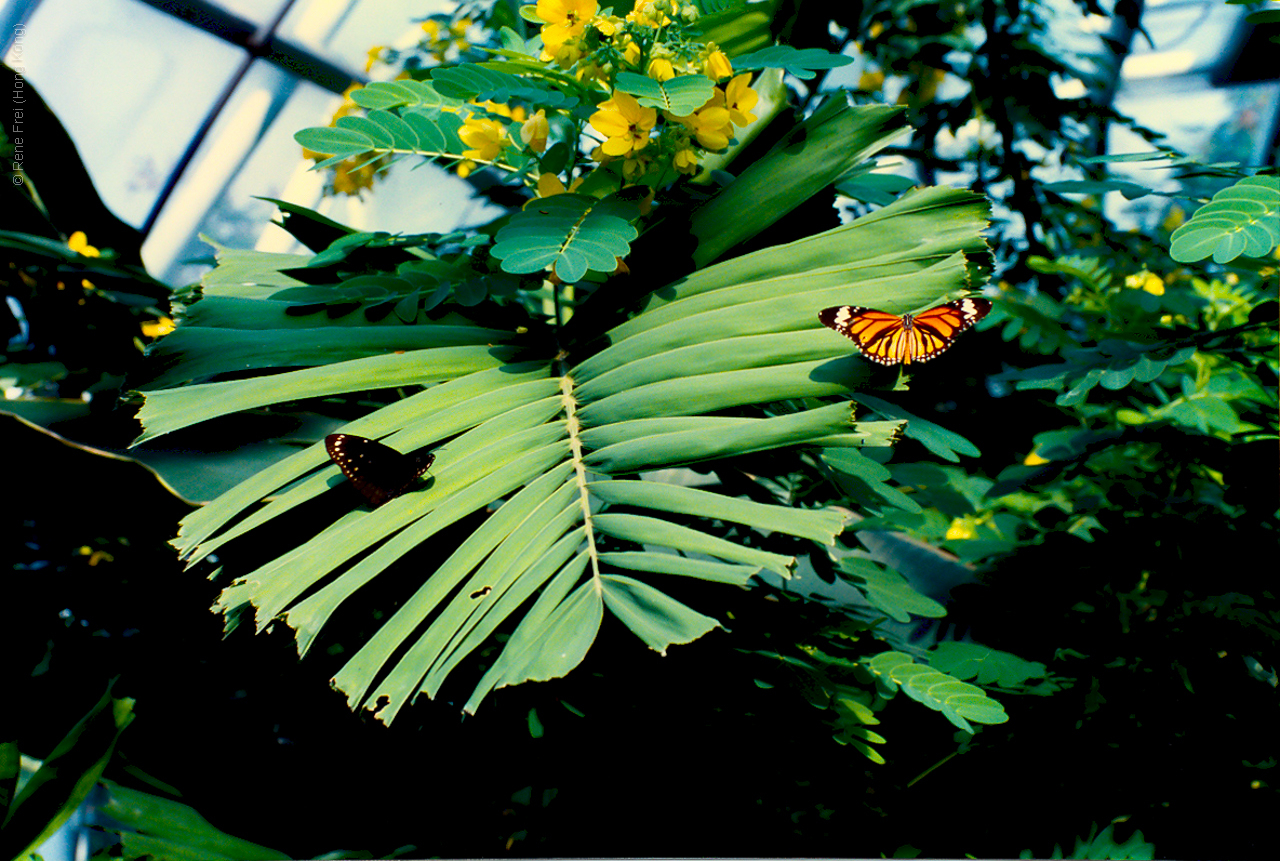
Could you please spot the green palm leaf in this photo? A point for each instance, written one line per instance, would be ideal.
(544, 456)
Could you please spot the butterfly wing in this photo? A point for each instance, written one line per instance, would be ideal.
(378, 471)
(889, 339)
(878, 334)
(945, 322)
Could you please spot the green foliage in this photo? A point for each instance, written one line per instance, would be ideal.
(1102, 845)
(987, 666)
(887, 591)
(151, 826)
(1243, 219)
(424, 131)
(1091, 271)
(1079, 526)
(959, 702)
(512, 423)
(483, 83)
(1114, 365)
(937, 439)
(680, 95)
(567, 234)
(64, 779)
(878, 188)
(800, 62)
(384, 95)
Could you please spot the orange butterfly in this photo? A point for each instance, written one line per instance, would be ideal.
(889, 339)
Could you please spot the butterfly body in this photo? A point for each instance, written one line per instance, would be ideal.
(891, 339)
(378, 471)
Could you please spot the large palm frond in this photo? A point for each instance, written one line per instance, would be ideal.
(551, 459)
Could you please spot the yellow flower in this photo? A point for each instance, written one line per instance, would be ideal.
(710, 123)
(1148, 281)
(566, 19)
(432, 28)
(350, 179)
(686, 161)
(484, 137)
(871, 82)
(549, 185)
(534, 132)
(661, 70)
(718, 66)
(375, 55)
(647, 14)
(157, 328)
(631, 54)
(459, 31)
(961, 528)
(1033, 459)
(565, 55)
(96, 556)
(624, 123)
(740, 99)
(79, 243)
(608, 25)
(590, 72)
(1174, 219)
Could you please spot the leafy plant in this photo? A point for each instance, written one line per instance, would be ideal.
(549, 417)
(734, 335)
(64, 779)
(1103, 845)
(606, 443)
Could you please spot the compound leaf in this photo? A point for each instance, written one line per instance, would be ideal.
(568, 234)
(1243, 219)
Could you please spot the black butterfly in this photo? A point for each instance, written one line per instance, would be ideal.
(378, 471)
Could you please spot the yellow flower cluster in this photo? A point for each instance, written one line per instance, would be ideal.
(649, 14)
(486, 137)
(566, 20)
(624, 124)
(712, 124)
(79, 243)
(1147, 281)
(442, 37)
(595, 47)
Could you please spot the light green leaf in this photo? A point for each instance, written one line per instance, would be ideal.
(482, 82)
(568, 234)
(653, 616)
(681, 95)
(1243, 219)
(959, 703)
(987, 666)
